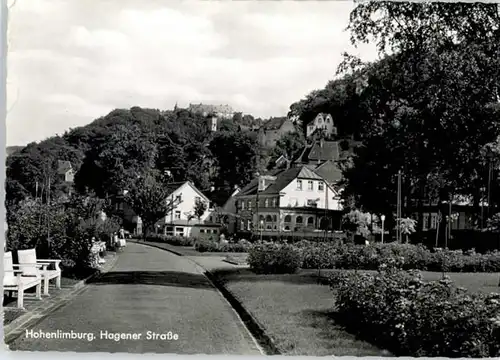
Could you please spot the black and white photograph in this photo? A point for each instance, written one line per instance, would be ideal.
(299, 178)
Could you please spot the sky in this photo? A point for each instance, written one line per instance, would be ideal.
(72, 61)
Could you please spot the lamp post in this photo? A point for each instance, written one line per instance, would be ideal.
(383, 219)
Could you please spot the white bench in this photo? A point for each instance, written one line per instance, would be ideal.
(31, 265)
(14, 281)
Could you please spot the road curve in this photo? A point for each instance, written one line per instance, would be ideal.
(148, 290)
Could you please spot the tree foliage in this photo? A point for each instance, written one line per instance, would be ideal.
(149, 197)
(426, 103)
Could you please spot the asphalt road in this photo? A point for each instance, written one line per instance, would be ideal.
(148, 290)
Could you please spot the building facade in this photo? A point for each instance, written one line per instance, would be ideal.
(324, 123)
(293, 201)
(219, 111)
(273, 129)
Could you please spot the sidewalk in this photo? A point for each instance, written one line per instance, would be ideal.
(35, 310)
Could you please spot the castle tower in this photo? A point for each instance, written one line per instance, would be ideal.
(213, 123)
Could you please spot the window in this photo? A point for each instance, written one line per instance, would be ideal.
(269, 219)
(177, 215)
(242, 225)
(434, 221)
(310, 221)
(202, 231)
(242, 204)
(275, 218)
(197, 199)
(266, 203)
(299, 184)
(310, 185)
(321, 186)
(275, 202)
(286, 228)
(249, 204)
(288, 219)
(298, 220)
(249, 225)
(425, 221)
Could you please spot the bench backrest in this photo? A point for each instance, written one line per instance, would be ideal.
(28, 257)
(8, 274)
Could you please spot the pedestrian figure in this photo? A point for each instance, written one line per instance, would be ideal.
(115, 240)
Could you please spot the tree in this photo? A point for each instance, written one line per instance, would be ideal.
(289, 145)
(359, 223)
(428, 100)
(149, 197)
(407, 227)
(235, 158)
(125, 154)
(199, 208)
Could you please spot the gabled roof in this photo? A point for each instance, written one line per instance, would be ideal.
(63, 167)
(324, 151)
(283, 178)
(172, 187)
(274, 123)
(330, 171)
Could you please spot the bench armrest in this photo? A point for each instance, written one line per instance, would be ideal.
(50, 261)
(47, 262)
(38, 266)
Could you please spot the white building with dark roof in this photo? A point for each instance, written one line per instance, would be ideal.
(288, 202)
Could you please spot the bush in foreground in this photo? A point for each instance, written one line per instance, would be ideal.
(274, 259)
(397, 310)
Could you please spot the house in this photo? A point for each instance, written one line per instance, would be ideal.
(182, 220)
(293, 201)
(227, 213)
(461, 207)
(323, 157)
(321, 123)
(65, 171)
(273, 129)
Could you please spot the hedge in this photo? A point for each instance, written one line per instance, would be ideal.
(395, 309)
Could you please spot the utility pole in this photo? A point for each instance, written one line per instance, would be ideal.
(398, 210)
(257, 220)
(48, 215)
(490, 173)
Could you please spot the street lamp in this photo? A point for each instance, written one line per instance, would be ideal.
(383, 219)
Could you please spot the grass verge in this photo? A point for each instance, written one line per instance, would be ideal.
(295, 312)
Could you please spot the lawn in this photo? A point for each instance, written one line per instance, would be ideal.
(296, 313)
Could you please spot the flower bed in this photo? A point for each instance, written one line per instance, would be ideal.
(396, 309)
(330, 256)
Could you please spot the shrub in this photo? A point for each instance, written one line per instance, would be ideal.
(370, 257)
(206, 246)
(397, 310)
(274, 259)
